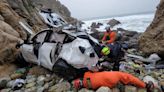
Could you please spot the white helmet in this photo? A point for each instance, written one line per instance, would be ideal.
(107, 27)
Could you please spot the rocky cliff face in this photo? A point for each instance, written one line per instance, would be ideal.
(26, 11)
(152, 41)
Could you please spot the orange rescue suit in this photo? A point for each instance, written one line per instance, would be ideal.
(110, 79)
(109, 37)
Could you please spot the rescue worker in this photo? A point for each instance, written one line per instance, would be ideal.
(109, 36)
(94, 80)
(112, 54)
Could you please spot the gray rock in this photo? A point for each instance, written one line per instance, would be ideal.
(113, 22)
(41, 78)
(40, 89)
(104, 89)
(10, 84)
(85, 90)
(4, 81)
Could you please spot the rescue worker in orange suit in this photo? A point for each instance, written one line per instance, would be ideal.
(94, 80)
(109, 36)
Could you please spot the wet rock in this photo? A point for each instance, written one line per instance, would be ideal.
(130, 89)
(95, 25)
(104, 89)
(60, 87)
(113, 22)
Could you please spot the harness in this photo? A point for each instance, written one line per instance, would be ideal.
(89, 83)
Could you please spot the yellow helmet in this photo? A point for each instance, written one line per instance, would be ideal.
(105, 50)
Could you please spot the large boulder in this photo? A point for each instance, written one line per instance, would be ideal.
(113, 22)
(152, 40)
(95, 25)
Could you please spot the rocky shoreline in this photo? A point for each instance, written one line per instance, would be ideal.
(33, 78)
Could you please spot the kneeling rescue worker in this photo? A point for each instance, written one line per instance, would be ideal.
(109, 36)
(94, 80)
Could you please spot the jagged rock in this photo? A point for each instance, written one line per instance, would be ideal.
(151, 41)
(8, 37)
(11, 17)
(104, 89)
(113, 22)
(8, 29)
(121, 29)
(95, 25)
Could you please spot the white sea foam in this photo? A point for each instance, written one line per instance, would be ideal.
(137, 23)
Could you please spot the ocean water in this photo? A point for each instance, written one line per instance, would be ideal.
(137, 23)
